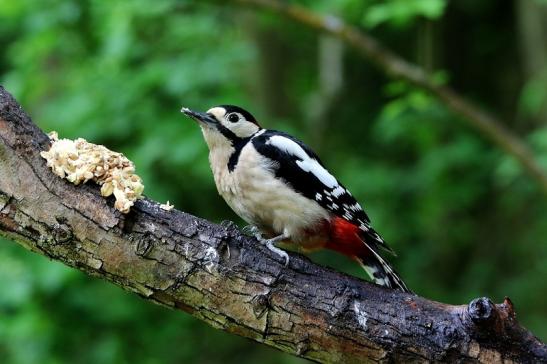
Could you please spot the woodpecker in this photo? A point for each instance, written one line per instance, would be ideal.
(279, 186)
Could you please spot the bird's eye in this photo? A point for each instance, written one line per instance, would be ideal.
(233, 118)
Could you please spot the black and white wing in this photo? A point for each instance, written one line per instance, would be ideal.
(302, 169)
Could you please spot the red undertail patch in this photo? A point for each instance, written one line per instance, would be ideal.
(345, 238)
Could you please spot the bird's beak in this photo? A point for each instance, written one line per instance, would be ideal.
(201, 117)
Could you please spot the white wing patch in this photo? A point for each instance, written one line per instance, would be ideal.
(311, 165)
(338, 191)
(356, 207)
(307, 163)
(288, 146)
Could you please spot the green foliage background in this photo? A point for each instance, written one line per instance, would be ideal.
(463, 217)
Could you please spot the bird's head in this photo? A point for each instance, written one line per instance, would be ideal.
(224, 124)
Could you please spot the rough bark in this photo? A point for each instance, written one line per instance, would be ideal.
(231, 282)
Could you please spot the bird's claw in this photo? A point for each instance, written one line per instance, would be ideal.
(270, 243)
(253, 231)
(283, 254)
(227, 224)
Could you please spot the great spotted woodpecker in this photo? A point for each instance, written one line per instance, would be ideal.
(278, 184)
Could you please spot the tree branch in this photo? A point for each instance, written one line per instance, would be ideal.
(229, 280)
(396, 67)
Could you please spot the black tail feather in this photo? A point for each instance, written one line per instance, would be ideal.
(381, 272)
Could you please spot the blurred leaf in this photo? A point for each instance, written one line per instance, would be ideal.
(534, 95)
(456, 209)
(402, 12)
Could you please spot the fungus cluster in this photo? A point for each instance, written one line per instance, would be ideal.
(80, 161)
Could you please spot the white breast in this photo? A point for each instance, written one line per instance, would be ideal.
(261, 199)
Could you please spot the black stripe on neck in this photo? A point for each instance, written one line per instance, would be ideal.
(234, 158)
(238, 145)
(237, 142)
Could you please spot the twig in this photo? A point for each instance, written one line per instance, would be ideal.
(395, 66)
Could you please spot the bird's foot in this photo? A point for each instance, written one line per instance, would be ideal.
(283, 254)
(227, 224)
(252, 230)
(270, 244)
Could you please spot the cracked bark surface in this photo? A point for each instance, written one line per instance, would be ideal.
(226, 279)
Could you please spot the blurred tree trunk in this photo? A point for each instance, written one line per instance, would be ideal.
(330, 64)
(532, 24)
(271, 78)
(426, 45)
(232, 282)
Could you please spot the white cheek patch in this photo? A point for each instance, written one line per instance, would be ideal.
(242, 129)
(217, 112)
(307, 163)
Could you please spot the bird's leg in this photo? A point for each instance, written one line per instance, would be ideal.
(270, 245)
